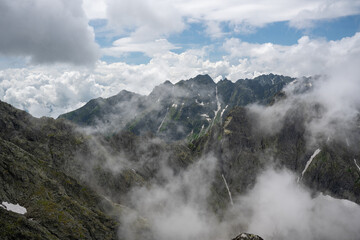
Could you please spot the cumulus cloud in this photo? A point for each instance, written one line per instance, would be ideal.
(47, 31)
(51, 91)
(48, 92)
(150, 18)
(307, 57)
(95, 9)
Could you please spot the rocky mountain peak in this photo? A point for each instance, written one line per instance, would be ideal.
(202, 80)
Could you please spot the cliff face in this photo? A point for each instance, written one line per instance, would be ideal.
(243, 152)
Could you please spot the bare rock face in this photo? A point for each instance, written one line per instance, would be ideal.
(247, 236)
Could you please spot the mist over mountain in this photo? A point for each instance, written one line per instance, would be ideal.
(175, 111)
(274, 156)
(180, 120)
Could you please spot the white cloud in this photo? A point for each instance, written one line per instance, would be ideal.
(166, 16)
(95, 9)
(214, 30)
(262, 12)
(55, 90)
(47, 31)
(128, 44)
(307, 57)
(151, 19)
(278, 208)
(325, 10)
(142, 22)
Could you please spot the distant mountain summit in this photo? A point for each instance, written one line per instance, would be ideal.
(176, 111)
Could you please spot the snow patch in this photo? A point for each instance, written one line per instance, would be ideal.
(16, 208)
(162, 122)
(356, 164)
(200, 103)
(222, 112)
(174, 105)
(293, 82)
(317, 151)
(206, 117)
(243, 235)
(218, 105)
(227, 187)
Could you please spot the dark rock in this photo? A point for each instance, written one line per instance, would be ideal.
(247, 236)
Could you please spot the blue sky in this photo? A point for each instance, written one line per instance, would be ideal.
(57, 55)
(195, 36)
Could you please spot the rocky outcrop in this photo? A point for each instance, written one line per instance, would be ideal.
(247, 236)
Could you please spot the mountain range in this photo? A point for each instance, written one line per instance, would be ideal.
(175, 111)
(179, 163)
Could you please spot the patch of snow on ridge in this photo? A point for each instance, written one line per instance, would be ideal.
(199, 103)
(206, 117)
(356, 164)
(162, 122)
(228, 189)
(317, 151)
(222, 112)
(293, 82)
(218, 105)
(13, 208)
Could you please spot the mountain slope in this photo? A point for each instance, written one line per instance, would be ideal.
(173, 111)
(244, 152)
(58, 207)
(52, 170)
(34, 156)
